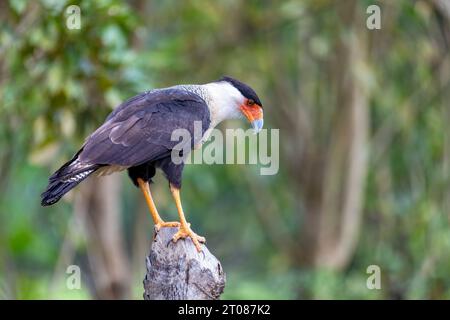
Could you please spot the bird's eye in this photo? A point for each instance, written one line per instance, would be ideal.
(250, 102)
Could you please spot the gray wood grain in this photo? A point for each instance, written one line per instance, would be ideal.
(176, 271)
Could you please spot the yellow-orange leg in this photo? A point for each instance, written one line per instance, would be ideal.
(185, 228)
(159, 223)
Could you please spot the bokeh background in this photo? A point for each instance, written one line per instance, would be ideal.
(364, 153)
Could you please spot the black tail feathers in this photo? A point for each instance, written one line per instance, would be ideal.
(65, 179)
(55, 191)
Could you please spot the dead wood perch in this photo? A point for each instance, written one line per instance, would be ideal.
(176, 271)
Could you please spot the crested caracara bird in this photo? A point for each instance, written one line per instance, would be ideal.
(137, 136)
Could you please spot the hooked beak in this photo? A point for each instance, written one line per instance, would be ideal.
(257, 125)
(254, 115)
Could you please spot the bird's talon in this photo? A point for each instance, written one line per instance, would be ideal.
(187, 232)
(163, 224)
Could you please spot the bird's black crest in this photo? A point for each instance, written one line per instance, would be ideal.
(246, 90)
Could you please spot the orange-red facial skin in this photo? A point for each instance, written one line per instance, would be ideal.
(252, 112)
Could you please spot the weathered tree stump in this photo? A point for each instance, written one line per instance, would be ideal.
(176, 271)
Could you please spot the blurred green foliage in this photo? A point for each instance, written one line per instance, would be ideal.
(57, 85)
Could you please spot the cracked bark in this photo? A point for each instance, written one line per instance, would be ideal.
(176, 271)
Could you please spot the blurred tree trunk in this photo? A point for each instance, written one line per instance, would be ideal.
(345, 163)
(330, 173)
(99, 203)
(442, 11)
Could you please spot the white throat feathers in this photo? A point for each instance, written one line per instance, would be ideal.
(224, 102)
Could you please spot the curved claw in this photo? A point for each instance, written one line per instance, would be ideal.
(185, 232)
(163, 224)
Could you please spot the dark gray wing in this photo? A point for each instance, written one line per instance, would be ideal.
(140, 129)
